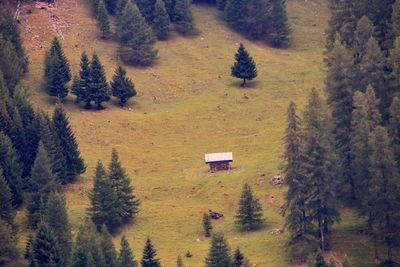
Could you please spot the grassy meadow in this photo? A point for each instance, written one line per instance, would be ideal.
(188, 105)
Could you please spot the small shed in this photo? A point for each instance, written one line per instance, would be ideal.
(219, 161)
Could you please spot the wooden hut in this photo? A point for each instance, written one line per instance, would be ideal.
(219, 161)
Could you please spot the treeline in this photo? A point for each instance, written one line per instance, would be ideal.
(346, 151)
(140, 23)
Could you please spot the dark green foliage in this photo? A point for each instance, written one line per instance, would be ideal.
(136, 38)
(320, 261)
(102, 17)
(221, 4)
(238, 259)
(69, 146)
(56, 218)
(8, 248)
(147, 9)
(127, 203)
(41, 183)
(104, 207)
(12, 168)
(161, 21)
(394, 127)
(279, 25)
(396, 19)
(219, 252)
(28, 248)
(126, 258)
(122, 87)
(7, 213)
(111, 6)
(249, 215)
(183, 18)
(45, 249)
(107, 247)
(207, 226)
(81, 89)
(388, 263)
(170, 7)
(392, 85)
(149, 255)
(364, 31)
(119, 10)
(244, 66)
(98, 87)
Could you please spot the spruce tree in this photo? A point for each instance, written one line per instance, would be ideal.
(111, 6)
(56, 218)
(221, 4)
(279, 36)
(81, 90)
(149, 255)
(9, 254)
(98, 87)
(10, 64)
(147, 9)
(7, 213)
(183, 18)
(249, 215)
(69, 146)
(396, 18)
(104, 207)
(219, 252)
(392, 85)
(238, 259)
(126, 257)
(161, 22)
(41, 183)
(244, 66)
(45, 249)
(122, 87)
(136, 38)
(363, 33)
(75, 88)
(12, 168)
(170, 7)
(55, 82)
(119, 10)
(394, 127)
(207, 226)
(103, 22)
(235, 15)
(107, 247)
(28, 248)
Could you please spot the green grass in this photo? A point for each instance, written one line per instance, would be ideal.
(188, 105)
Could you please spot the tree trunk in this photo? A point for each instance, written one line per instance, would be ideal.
(243, 83)
(322, 235)
(376, 253)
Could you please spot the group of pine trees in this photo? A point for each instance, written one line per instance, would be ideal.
(141, 22)
(348, 149)
(90, 85)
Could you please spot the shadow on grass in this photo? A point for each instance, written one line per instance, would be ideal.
(248, 85)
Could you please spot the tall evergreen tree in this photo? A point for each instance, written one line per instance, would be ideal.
(392, 85)
(104, 201)
(81, 90)
(207, 226)
(136, 38)
(7, 213)
(119, 10)
(45, 249)
(69, 146)
(279, 25)
(234, 14)
(55, 82)
(219, 252)
(394, 127)
(126, 258)
(363, 33)
(9, 254)
(122, 87)
(244, 66)
(183, 18)
(10, 64)
(56, 218)
(161, 21)
(147, 9)
(238, 259)
(107, 247)
(170, 7)
(99, 89)
(103, 22)
(221, 4)
(111, 6)
(396, 19)
(249, 216)
(149, 255)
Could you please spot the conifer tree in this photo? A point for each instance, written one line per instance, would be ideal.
(126, 258)
(9, 254)
(7, 213)
(149, 255)
(392, 85)
(122, 87)
(207, 226)
(280, 29)
(119, 10)
(75, 88)
(28, 248)
(394, 127)
(219, 252)
(161, 21)
(170, 7)
(136, 38)
(104, 207)
(221, 4)
(10, 64)
(81, 90)
(103, 22)
(183, 18)
(55, 82)
(69, 146)
(56, 218)
(147, 9)
(12, 168)
(363, 33)
(249, 216)
(111, 6)
(396, 18)
(179, 262)
(238, 258)
(244, 66)
(320, 261)
(234, 14)
(107, 247)
(99, 89)
(45, 249)
(41, 183)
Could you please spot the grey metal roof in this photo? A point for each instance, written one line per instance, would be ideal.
(215, 157)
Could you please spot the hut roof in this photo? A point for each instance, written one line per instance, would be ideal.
(216, 157)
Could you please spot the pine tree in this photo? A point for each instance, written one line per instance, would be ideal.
(219, 252)
(9, 254)
(99, 89)
(161, 22)
(179, 262)
(394, 127)
(107, 247)
(28, 248)
(136, 38)
(81, 90)
(104, 201)
(235, 15)
(244, 66)
(396, 19)
(69, 146)
(126, 258)
(12, 168)
(10, 63)
(41, 183)
(55, 82)
(122, 87)
(45, 249)
(363, 33)
(280, 29)
(170, 7)
(207, 226)
(238, 259)
(119, 10)
(249, 216)
(103, 22)
(147, 9)
(183, 18)
(7, 213)
(111, 6)
(221, 4)
(56, 218)
(149, 255)
(392, 85)
(385, 204)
